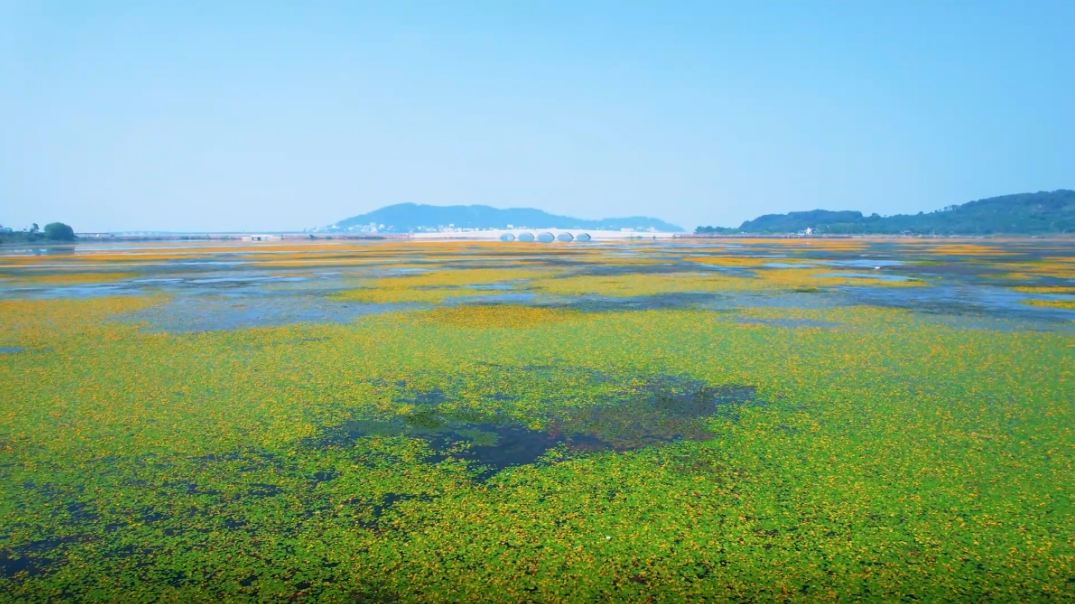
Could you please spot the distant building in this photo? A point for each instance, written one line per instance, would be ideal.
(261, 238)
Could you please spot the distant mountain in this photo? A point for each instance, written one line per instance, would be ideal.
(412, 218)
(1021, 214)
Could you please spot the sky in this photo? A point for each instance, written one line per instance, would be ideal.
(269, 116)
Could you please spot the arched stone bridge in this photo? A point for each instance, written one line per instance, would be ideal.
(542, 235)
(546, 236)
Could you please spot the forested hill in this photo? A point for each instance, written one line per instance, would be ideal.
(1024, 214)
(410, 217)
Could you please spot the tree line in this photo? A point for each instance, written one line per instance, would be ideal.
(1044, 212)
(53, 232)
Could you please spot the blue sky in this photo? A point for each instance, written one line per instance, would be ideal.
(283, 115)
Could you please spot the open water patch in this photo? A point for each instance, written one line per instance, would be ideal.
(877, 276)
(788, 265)
(403, 271)
(509, 298)
(68, 291)
(657, 411)
(30, 559)
(11, 349)
(997, 302)
(611, 270)
(666, 301)
(172, 279)
(244, 279)
(37, 250)
(861, 263)
(998, 324)
(217, 313)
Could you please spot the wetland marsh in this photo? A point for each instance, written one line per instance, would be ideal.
(737, 420)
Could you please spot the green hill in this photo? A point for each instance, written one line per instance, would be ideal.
(410, 217)
(1023, 214)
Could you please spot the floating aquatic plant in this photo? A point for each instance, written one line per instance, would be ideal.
(779, 446)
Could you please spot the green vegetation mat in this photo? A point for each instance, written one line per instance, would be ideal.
(502, 451)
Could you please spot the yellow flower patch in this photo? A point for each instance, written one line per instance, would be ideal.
(1068, 304)
(72, 278)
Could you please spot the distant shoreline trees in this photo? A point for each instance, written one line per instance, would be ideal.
(54, 232)
(712, 230)
(1045, 212)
